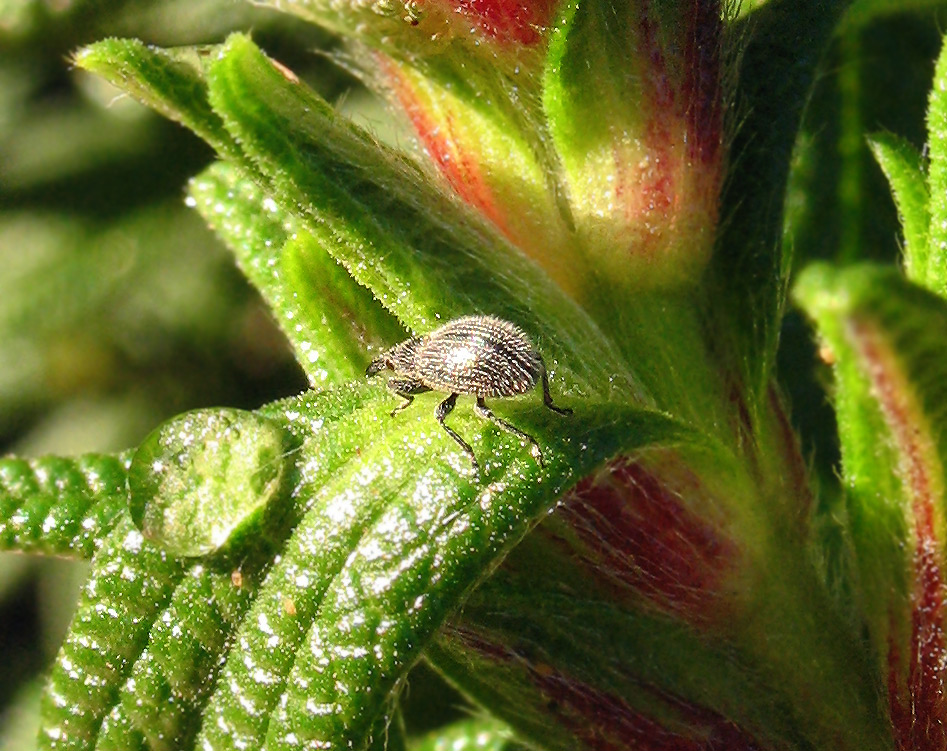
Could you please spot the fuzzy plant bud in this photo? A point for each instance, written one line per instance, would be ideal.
(588, 134)
(633, 99)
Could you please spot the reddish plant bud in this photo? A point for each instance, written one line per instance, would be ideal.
(509, 21)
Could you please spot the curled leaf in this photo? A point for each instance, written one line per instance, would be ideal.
(886, 338)
(60, 505)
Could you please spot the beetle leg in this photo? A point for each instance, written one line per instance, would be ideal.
(406, 389)
(444, 409)
(408, 398)
(484, 411)
(547, 397)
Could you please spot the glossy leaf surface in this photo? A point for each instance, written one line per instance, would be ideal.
(372, 557)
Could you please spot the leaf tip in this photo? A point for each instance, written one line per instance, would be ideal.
(815, 288)
(100, 56)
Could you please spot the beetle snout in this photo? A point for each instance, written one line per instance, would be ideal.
(376, 366)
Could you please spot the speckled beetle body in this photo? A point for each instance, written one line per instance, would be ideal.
(479, 355)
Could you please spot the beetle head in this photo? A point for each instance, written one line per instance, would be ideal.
(399, 358)
(377, 365)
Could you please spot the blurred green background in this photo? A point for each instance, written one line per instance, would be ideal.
(118, 308)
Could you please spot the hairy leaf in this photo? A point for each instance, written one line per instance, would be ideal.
(904, 168)
(420, 253)
(781, 42)
(887, 338)
(129, 585)
(936, 277)
(423, 256)
(411, 549)
(329, 338)
(333, 323)
(61, 506)
(372, 556)
(169, 81)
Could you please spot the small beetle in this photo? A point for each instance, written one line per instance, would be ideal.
(479, 355)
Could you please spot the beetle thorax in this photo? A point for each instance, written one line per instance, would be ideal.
(402, 358)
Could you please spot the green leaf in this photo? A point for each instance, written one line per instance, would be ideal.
(169, 81)
(420, 253)
(150, 629)
(329, 345)
(904, 168)
(424, 258)
(888, 339)
(372, 556)
(479, 734)
(398, 562)
(781, 45)
(61, 506)
(129, 585)
(333, 323)
(168, 677)
(936, 277)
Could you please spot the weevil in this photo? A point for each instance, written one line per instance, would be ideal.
(482, 356)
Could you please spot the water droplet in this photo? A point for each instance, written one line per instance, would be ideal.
(204, 475)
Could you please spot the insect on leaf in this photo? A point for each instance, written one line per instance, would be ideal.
(422, 255)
